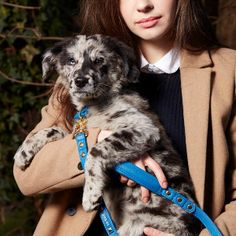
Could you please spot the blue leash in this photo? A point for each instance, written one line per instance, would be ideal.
(81, 140)
(141, 177)
(150, 182)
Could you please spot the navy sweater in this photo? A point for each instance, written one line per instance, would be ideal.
(163, 92)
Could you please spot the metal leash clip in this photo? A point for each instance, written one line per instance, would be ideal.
(81, 127)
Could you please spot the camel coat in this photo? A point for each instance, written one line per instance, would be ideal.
(208, 90)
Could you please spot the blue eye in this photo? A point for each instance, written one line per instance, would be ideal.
(71, 61)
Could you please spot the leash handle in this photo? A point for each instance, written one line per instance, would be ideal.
(150, 182)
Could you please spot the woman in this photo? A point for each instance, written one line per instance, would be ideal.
(189, 82)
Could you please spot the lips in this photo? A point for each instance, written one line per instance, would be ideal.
(148, 22)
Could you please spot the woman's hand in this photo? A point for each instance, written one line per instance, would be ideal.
(154, 232)
(144, 162)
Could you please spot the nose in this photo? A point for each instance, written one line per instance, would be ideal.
(80, 82)
(145, 6)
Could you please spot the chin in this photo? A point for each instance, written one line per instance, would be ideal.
(153, 34)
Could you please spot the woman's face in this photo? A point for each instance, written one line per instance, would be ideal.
(148, 19)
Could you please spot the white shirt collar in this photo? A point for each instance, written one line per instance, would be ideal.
(169, 63)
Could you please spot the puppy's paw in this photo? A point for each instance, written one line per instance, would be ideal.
(35, 143)
(23, 157)
(90, 204)
(91, 198)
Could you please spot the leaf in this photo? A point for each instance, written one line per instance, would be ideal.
(28, 53)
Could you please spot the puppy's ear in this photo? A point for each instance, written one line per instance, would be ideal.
(50, 58)
(48, 65)
(127, 54)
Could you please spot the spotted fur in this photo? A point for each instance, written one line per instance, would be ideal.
(34, 144)
(97, 70)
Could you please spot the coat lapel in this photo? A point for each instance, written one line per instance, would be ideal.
(196, 86)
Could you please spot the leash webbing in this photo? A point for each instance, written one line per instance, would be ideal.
(81, 141)
(143, 178)
(150, 182)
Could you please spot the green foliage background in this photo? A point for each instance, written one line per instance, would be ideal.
(20, 103)
(24, 36)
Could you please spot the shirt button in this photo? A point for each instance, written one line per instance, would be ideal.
(71, 211)
(79, 166)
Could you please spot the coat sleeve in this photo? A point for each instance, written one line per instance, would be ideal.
(55, 166)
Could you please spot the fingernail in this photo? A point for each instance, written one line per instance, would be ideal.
(147, 230)
(132, 184)
(164, 184)
(145, 199)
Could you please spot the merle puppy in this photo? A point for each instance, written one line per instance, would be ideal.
(97, 70)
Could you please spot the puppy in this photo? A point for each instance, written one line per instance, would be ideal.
(97, 71)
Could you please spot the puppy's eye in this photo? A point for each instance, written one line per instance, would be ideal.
(71, 61)
(98, 61)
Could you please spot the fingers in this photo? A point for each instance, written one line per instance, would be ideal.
(104, 134)
(125, 180)
(154, 232)
(131, 183)
(145, 193)
(143, 162)
(155, 167)
(151, 232)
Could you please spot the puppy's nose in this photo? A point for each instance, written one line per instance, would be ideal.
(80, 82)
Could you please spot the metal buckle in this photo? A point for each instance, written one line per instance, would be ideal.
(81, 126)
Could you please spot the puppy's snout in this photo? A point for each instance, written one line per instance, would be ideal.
(80, 82)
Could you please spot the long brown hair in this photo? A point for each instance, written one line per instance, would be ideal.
(191, 31)
(103, 17)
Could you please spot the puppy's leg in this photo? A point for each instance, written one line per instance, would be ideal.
(121, 146)
(31, 146)
(94, 183)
